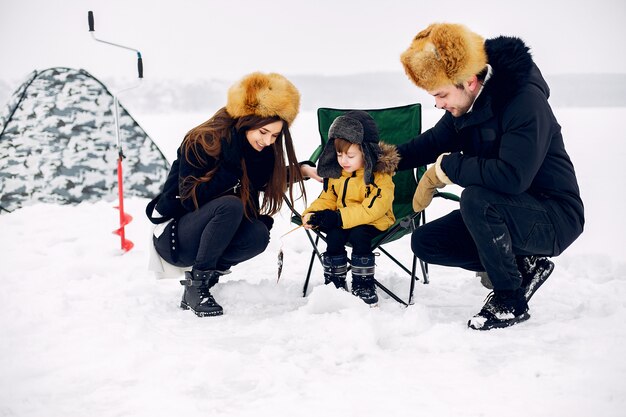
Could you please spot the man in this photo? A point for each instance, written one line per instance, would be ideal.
(500, 141)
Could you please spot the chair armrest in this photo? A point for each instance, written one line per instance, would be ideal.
(447, 196)
(316, 154)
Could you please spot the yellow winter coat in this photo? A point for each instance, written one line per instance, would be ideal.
(358, 203)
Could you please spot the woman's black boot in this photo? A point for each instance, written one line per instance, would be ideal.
(197, 296)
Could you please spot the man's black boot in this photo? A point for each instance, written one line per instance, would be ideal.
(197, 296)
(501, 309)
(535, 271)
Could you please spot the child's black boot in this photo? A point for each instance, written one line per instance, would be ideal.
(335, 270)
(363, 285)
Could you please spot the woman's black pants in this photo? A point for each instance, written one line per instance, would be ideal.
(215, 236)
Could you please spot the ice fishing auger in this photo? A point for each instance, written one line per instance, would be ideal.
(125, 218)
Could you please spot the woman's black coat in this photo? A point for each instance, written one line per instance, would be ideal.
(226, 179)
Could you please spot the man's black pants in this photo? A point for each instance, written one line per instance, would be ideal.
(486, 234)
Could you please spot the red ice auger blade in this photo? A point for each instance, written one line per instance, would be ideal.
(125, 218)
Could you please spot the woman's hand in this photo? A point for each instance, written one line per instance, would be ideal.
(309, 171)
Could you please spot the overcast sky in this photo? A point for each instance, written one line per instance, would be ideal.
(229, 38)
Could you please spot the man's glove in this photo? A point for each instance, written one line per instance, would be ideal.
(426, 189)
(326, 219)
(230, 158)
(439, 171)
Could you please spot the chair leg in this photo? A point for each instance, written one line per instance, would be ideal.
(413, 279)
(389, 292)
(424, 267)
(308, 275)
(390, 256)
(313, 255)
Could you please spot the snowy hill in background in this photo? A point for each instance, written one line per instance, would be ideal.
(357, 90)
(361, 90)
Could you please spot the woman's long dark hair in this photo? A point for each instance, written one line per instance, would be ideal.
(207, 137)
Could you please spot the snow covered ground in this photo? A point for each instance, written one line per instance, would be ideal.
(85, 330)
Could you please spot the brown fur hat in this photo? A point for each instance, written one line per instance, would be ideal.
(264, 95)
(444, 54)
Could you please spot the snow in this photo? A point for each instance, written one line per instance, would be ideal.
(86, 330)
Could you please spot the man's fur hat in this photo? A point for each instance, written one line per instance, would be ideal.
(444, 54)
(356, 127)
(264, 95)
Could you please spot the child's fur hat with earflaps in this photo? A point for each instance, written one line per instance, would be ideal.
(358, 127)
(264, 95)
(444, 54)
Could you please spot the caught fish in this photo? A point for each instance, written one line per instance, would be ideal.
(281, 253)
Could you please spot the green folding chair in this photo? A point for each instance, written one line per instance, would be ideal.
(396, 125)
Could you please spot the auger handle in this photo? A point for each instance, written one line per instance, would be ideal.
(139, 65)
(90, 20)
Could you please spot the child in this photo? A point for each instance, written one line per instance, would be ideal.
(355, 205)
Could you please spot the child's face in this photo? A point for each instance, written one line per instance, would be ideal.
(351, 159)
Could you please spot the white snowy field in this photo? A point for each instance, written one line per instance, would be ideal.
(85, 330)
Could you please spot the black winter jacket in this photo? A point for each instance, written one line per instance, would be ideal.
(225, 181)
(510, 142)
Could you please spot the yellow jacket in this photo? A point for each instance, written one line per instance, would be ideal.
(358, 203)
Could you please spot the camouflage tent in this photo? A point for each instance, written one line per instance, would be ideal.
(58, 144)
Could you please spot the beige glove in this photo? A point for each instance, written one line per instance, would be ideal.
(440, 174)
(426, 189)
(432, 179)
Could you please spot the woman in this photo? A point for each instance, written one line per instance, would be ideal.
(211, 212)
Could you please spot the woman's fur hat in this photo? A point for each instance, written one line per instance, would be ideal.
(444, 54)
(356, 127)
(264, 95)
